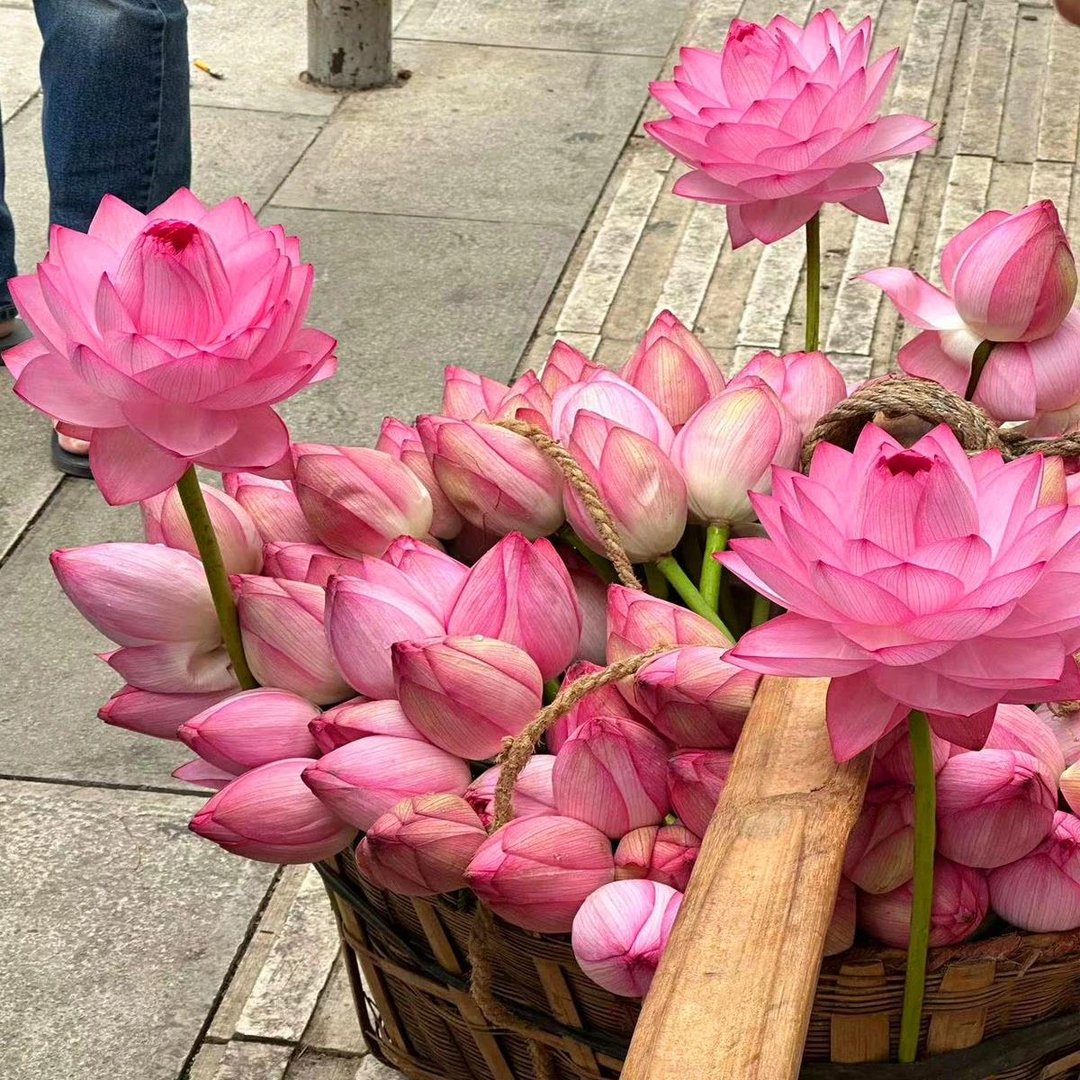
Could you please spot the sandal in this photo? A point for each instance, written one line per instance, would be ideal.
(17, 336)
(77, 465)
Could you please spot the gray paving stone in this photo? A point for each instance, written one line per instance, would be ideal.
(607, 26)
(334, 1024)
(118, 929)
(311, 1065)
(1019, 135)
(373, 1069)
(253, 1061)
(986, 91)
(446, 144)
(1061, 96)
(18, 73)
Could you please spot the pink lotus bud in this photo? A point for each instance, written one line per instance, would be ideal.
(536, 872)
(496, 479)
(402, 442)
(269, 814)
(362, 780)
(165, 522)
(174, 667)
(612, 399)
(325, 565)
(592, 599)
(1041, 890)
(293, 561)
(386, 577)
(841, 933)
(807, 383)
(527, 400)
(432, 572)
(892, 757)
(1069, 783)
(695, 779)
(534, 793)
(566, 365)
(637, 484)
(139, 594)
(1065, 727)
(880, 854)
(961, 902)
(612, 773)
(520, 592)
(252, 728)
(358, 718)
(993, 806)
(468, 395)
(358, 500)
(284, 638)
(202, 774)
(1016, 727)
(637, 622)
(467, 694)
(273, 507)
(621, 932)
(422, 846)
(664, 853)
(729, 446)
(607, 701)
(694, 697)
(159, 715)
(363, 619)
(673, 368)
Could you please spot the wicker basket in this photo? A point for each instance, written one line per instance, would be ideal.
(1004, 1008)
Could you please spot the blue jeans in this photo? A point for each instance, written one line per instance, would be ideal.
(114, 75)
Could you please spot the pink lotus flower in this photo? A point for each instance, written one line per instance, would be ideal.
(673, 368)
(566, 365)
(358, 718)
(694, 697)
(324, 565)
(841, 933)
(1011, 279)
(919, 579)
(1017, 727)
(293, 561)
(201, 774)
(361, 780)
(521, 592)
(695, 779)
(468, 395)
(613, 399)
(892, 756)
(664, 853)
(174, 667)
(1065, 726)
(527, 400)
(252, 728)
(807, 383)
(536, 872)
(1069, 783)
(358, 500)
(728, 448)
(159, 715)
(534, 793)
(783, 121)
(431, 572)
(592, 599)
(496, 479)
(269, 814)
(620, 934)
(166, 338)
(422, 846)
(961, 902)
(881, 849)
(637, 622)
(402, 442)
(284, 637)
(606, 701)
(1041, 891)
(467, 694)
(273, 506)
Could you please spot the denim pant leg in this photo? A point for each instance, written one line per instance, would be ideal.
(7, 246)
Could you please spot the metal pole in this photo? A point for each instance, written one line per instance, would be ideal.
(349, 43)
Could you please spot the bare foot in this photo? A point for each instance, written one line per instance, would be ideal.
(74, 446)
(6, 327)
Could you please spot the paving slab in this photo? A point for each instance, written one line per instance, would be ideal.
(119, 927)
(308, 1065)
(19, 71)
(334, 1024)
(446, 143)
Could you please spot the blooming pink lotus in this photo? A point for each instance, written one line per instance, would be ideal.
(166, 338)
(919, 579)
(783, 120)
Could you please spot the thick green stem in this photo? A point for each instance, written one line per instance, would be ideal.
(813, 282)
(656, 582)
(762, 610)
(597, 562)
(203, 530)
(716, 538)
(978, 362)
(688, 591)
(551, 690)
(923, 887)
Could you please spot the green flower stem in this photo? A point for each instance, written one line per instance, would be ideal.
(656, 582)
(762, 610)
(978, 362)
(688, 591)
(551, 690)
(203, 530)
(716, 539)
(923, 889)
(597, 562)
(813, 282)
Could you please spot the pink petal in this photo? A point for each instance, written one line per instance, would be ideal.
(184, 430)
(959, 245)
(129, 467)
(795, 645)
(868, 204)
(919, 302)
(857, 715)
(924, 358)
(261, 441)
(1007, 387)
(770, 220)
(48, 383)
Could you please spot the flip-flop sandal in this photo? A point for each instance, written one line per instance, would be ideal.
(17, 336)
(77, 465)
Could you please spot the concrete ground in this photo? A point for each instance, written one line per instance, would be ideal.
(500, 197)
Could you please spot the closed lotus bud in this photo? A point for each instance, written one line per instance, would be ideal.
(621, 932)
(468, 395)
(880, 854)
(159, 715)
(325, 564)
(202, 774)
(592, 599)
(611, 398)
(961, 902)
(993, 807)
(387, 577)
(497, 480)
(165, 522)
(527, 400)
(139, 594)
(433, 573)
(566, 365)
(664, 853)
(694, 697)
(807, 383)
(358, 718)
(1041, 890)
(357, 500)
(1070, 785)
(606, 701)
(422, 846)
(293, 561)
(841, 933)
(467, 694)
(536, 872)
(402, 442)
(273, 506)
(1016, 727)
(252, 728)
(174, 667)
(892, 757)
(637, 622)
(269, 814)
(612, 773)
(521, 592)
(284, 638)
(695, 780)
(362, 780)
(534, 793)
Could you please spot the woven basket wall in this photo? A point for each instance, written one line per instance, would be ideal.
(1006, 1008)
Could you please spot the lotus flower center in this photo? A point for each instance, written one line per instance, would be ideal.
(908, 463)
(741, 33)
(176, 235)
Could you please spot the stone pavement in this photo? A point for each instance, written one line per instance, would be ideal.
(499, 197)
